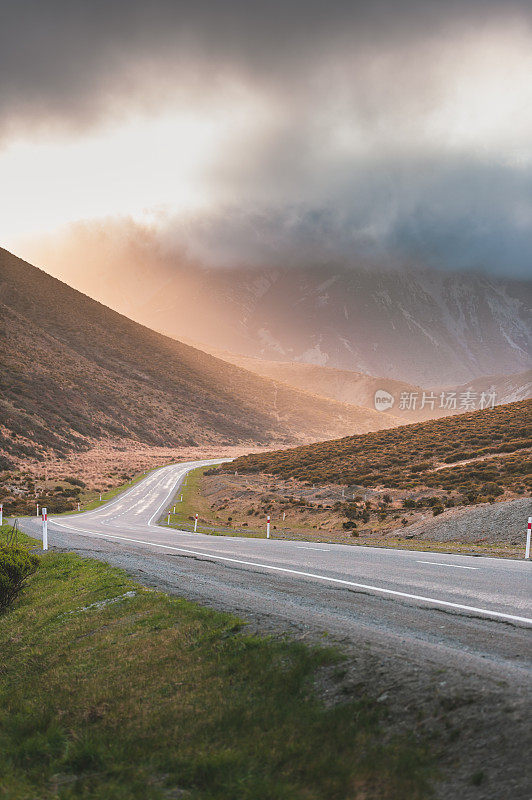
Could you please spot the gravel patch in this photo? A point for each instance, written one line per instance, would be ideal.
(493, 523)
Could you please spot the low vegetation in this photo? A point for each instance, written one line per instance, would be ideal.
(16, 565)
(238, 505)
(111, 691)
(22, 491)
(479, 454)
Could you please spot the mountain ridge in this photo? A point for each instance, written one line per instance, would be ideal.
(75, 371)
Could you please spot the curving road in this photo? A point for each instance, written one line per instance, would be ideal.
(498, 589)
(442, 638)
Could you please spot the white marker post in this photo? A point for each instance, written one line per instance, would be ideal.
(181, 498)
(195, 523)
(268, 526)
(1, 513)
(37, 509)
(528, 535)
(44, 529)
(168, 520)
(100, 497)
(284, 515)
(79, 506)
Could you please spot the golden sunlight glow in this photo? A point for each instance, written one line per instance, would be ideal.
(128, 170)
(140, 168)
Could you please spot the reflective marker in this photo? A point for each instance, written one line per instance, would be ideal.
(45, 529)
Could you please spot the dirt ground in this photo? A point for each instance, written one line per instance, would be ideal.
(240, 504)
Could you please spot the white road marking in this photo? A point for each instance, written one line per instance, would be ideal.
(321, 549)
(379, 589)
(175, 484)
(440, 564)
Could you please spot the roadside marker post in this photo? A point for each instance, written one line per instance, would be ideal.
(268, 527)
(195, 523)
(168, 520)
(79, 506)
(45, 529)
(1, 513)
(100, 497)
(528, 535)
(37, 509)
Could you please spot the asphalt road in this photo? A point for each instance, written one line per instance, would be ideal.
(444, 637)
(497, 589)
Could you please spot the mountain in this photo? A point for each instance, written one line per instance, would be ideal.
(507, 388)
(428, 328)
(347, 386)
(74, 372)
(343, 385)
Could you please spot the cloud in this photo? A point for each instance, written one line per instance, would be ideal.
(391, 131)
(449, 215)
(78, 60)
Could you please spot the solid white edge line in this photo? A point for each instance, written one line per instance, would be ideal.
(120, 496)
(207, 463)
(441, 564)
(378, 589)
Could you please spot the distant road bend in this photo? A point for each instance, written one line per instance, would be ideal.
(399, 592)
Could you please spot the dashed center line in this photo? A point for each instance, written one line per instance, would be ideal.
(440, 564)
(320, 549)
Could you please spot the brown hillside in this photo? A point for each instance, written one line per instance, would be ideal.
(74, 372)
(478, 449)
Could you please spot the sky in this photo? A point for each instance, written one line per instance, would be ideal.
(254, 133)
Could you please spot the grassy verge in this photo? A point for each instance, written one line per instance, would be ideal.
(109, 691)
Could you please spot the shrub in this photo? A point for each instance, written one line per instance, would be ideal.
(492, 489)
(16, 564)
(80, 483)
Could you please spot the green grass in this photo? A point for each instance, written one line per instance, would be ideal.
(150, 695)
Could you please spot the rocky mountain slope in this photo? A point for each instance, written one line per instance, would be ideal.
(427, 328)
(74, 372)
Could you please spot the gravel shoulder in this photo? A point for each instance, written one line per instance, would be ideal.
(491, 523)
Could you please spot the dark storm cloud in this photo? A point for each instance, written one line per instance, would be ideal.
(447, 215)
(78, 59)
(370, 66)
